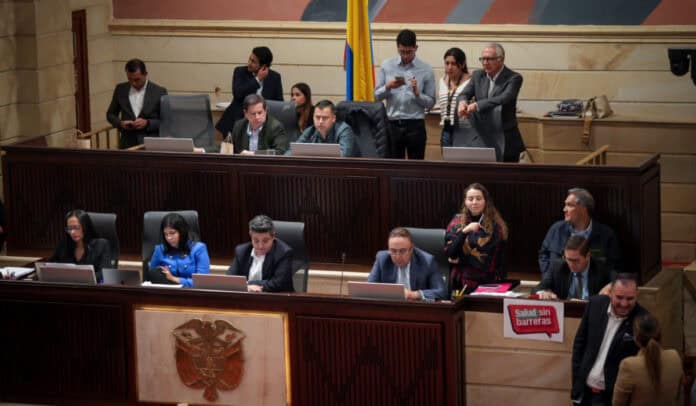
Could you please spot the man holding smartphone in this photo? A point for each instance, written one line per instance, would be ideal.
(135, 106)
(408, 86)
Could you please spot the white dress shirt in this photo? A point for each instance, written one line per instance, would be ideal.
(256, 269)
(137, 98)
(595, 379)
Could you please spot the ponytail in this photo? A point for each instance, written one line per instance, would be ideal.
(647, 333)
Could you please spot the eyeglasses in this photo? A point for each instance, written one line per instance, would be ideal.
(399, 252)
(488, 59)
(72, 228)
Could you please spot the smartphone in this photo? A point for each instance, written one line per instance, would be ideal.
(399, 78)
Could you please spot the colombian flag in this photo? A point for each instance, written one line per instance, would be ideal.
(360, 73)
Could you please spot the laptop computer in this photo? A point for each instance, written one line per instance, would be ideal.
(168, 144)
(310, 149)
(237, 283)
(120, 277)
(66, 273)
(468, 154)
(391, 291)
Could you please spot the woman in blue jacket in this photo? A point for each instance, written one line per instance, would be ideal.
(179, 256)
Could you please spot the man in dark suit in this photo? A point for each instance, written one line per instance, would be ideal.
(495, 85)
(256, 77)
(414, 268)
(135, 106)
(266, 261)
(576, 276)
(603, 339)
(258, 131)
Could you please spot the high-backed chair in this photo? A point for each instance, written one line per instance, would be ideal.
(286, 113)
(152, 220)
(188, 117)
(105, 227)
(369, 123)
(432, 241)
(485, 131)
(293, 234)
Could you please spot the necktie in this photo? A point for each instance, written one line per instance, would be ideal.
(578, 285)
(491, 86)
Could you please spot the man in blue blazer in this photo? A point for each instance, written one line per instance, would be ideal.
(414, 268)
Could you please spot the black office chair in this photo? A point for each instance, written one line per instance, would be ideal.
(152, 220)
(105, 227)
(188, 117)
(286, 113)
(293, 234)
(369, 123)
(432, 241)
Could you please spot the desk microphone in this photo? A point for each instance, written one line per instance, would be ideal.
(343, 265)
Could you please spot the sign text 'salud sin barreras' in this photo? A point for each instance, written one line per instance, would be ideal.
(533, 320)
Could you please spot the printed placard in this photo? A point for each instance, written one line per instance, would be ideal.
(533, 320)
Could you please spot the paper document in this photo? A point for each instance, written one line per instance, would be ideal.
(15, 272)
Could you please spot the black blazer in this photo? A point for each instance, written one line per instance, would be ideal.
(588, 339)
(559, 277)
(243, 84)
(97, 253)
(120, 109)
(277, 267)
(507, 88)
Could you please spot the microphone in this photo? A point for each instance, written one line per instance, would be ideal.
(343, 265)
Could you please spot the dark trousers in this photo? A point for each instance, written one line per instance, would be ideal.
(407, 136)
(596, 399)
(447, 136)
(513, 145)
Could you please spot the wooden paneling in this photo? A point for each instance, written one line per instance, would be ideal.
(348, 205)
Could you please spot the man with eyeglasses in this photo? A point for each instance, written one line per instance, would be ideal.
(576, 276)
(495, 85)
(326, 130)
(408, 86)
(405, 264)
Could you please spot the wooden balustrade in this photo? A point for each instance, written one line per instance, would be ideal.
(597, 157)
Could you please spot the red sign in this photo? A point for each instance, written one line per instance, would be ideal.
(533, 319)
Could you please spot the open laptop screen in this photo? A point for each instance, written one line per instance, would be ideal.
(236, 283)
(310, 149)
(66, 273)
(467, 154)
(168, 144)
(391, 291)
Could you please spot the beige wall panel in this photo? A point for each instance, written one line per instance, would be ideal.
(617, 86)
(61, 139)
(487, 395)
(52, 16)
(98, 18)
(678, 168)
(679, 227)
(678, 198)
(7, 22)
(672, 111)
(101, 78)
(27, 86)
(57, 115)
(55, 82)
(24, 17)
(678, 252)
(18, 120)
(8, 84)
(80, 4)
(99, 103)
(8, 48)
(25, 52)
(531, 369)
(54, 48)
(565, 158)
(486, 330)
(100, 50)
(530, 133)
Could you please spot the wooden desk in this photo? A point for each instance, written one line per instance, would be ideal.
(348, 205)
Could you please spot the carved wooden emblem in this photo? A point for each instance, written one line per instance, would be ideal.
(209, 355)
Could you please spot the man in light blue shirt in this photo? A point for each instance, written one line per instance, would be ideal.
(408, 86)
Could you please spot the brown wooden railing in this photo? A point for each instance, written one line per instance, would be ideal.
(597, 157)
(98, 139)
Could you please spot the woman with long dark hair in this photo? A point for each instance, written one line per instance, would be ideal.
(475, 239)
(301, 94)
(81, 245)
(450, 87)
(654, 376)
(179, 255)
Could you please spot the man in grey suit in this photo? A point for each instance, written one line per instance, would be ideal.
(495, 85)
(414, 268)
(135, 106)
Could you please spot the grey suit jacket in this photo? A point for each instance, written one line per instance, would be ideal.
(120, 109)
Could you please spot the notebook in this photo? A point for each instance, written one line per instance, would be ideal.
(168, 144)
(237, 283)
(391, 291)
(309, 149)
(120, 277)
(66, 273)
(468, 154)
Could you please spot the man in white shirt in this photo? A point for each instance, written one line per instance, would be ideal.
(266, 261)
(135, 106)
(604, 338)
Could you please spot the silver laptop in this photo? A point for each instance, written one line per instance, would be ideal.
(468, 154)
(310, 149)
(237, 283)
(66, 273)
(168, 144)
(120, 277)
(392, 291)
